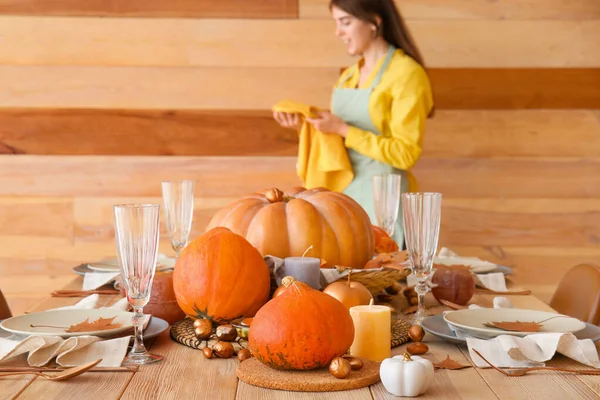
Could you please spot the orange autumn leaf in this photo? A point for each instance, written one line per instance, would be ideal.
(449, 363)
(383, 242)
(102, 324)
(516, 326)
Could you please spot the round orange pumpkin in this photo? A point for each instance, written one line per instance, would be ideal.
(220, 276)
(286, 225)
(301, 329)
(383, 242)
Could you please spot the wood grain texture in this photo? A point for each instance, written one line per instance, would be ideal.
(163, 88)
(155, 8)
(144, 132)
(105, 176)
(452, 133)
(235, 88)
(284, 43)
(36, 217)
(477, 10)
(495, 88)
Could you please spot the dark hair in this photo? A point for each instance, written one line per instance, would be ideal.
(392, 27)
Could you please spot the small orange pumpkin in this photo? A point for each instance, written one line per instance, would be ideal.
(301, 329)
(383, 242)
(221, 277)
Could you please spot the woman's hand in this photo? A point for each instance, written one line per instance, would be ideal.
(329, 123)
(288, 120)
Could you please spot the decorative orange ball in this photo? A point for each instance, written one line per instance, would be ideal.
(349, 293)
(220, 276)
(286, 225)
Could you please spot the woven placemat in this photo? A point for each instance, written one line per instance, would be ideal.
(183, 332)
(256, 373)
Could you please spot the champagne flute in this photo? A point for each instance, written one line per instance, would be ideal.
(386, 199)
(178, 200)
(137, 229)
(422, 215)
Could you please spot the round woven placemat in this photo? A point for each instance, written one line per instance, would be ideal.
(256, 373)
(183, 332)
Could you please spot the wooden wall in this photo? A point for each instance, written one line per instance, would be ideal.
(101, 100)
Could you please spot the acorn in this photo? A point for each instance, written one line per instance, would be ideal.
(416, 333)
(226, 333)
(417, 348)
(208, 353)
(223, 349)
(355, 363)
(340, 367)
(202, 328)
(244, 354)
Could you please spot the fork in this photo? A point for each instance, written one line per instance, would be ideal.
(523, 371)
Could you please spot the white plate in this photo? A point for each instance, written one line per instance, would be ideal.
(476, 265)
(112, 264)
(65, 318)
(472, 321)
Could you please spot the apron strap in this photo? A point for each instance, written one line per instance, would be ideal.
(377, 79)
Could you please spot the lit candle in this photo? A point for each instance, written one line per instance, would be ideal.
(372, 333)
(304, 269)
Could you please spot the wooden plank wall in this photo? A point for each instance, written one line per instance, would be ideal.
(101, 100)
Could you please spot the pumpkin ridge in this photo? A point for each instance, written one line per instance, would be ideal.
(324, 216)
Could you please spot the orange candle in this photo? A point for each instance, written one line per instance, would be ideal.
(372, 332)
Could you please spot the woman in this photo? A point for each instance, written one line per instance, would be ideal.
(379, 105)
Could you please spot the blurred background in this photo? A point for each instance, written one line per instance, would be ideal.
(101, 100)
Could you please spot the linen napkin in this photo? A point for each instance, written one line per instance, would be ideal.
(532, 350)
(69, 352)
(328, 275)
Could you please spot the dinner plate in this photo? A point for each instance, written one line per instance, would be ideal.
(471, 321)
(436, 326)
(475, 264)
(62, 319)
(154, 328)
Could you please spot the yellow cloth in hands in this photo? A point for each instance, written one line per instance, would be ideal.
(322, 158)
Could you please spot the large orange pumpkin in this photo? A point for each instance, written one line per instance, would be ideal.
(220, 276)
(301, 329)
(283, 225)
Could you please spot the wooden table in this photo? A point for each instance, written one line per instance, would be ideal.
(186, 374)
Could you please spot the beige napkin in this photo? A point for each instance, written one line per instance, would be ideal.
(532, 350)
(328, 275)
(73, 351)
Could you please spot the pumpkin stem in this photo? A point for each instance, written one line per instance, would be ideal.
(407, 357)
(349, 274)
(287, 281)
(274, 195)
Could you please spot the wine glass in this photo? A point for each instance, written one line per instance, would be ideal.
(178, 200)
(422, 214)
(137, 229)
(386, 199)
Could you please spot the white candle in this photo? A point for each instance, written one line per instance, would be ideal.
(304, 269)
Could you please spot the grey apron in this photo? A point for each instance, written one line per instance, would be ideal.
(352, 106)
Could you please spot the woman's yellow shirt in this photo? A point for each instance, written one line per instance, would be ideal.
(399, 107)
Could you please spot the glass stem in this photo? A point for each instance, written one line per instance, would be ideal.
(421, 289)
(138, 325)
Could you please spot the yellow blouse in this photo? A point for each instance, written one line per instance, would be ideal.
(399, 107)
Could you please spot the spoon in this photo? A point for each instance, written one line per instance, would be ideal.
(63, 375)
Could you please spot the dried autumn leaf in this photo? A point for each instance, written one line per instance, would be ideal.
(102, 324)
(449, 363)
(516, 326)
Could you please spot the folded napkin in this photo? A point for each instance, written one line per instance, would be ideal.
(328, 275)
(69, 352)
(322, 158)
(532, 350)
